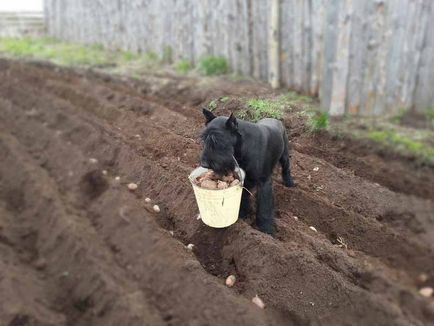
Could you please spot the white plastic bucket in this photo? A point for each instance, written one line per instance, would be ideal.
(218, 208)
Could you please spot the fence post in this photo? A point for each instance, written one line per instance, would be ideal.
(274, 45)
(341, 64)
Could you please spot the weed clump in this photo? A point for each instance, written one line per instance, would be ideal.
(183, 66)
(317, 120)
(213, 65)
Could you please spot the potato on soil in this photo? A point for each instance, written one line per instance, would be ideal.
(132, 186)
(427, 291)
(258, 301)
(230, 281)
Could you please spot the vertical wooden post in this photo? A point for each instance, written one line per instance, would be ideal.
(341, 60)
(274, 45)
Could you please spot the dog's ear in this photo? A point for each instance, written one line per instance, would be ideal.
(232, 123)
(209, 116)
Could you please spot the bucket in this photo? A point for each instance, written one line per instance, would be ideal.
(218, 208)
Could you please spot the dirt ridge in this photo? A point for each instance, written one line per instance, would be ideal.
(123, 264)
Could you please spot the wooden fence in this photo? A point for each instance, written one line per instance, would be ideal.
(359, 56)
(18, 24)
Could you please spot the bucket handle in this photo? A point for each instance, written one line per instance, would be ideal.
(239, 169)
(236, 163)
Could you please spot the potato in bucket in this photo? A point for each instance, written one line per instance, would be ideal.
(218, 198)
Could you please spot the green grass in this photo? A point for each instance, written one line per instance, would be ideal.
(259, 108)
(213, 65)
(296, 98)
(317, 120)
(403, 144)
(127, 56)
(183, 66)
(59, 52)
(212, 105)
(23, 47)
(149, 56)
(70, 54)
(263, 108)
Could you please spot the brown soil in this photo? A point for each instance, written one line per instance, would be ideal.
(78, 248)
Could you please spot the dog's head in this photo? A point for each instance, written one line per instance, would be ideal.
(219, 138)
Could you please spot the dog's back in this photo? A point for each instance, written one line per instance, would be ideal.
(276, 134)
(273, 124)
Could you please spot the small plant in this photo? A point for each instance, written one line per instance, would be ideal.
(317, 120)
(262, 108)
(127, 56)
(259, 108)
(213, 65)
(212, 105)
(150, 56)
(183, 66)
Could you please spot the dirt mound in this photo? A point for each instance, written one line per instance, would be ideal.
(77, 247)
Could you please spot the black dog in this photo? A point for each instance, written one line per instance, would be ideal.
(257, 147)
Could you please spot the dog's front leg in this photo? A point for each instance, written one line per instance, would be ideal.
(245, 200)
(264, 209)
(245, 205)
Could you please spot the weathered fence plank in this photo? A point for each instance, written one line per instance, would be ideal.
(19, 24)
(273, 45)
(358, 56)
